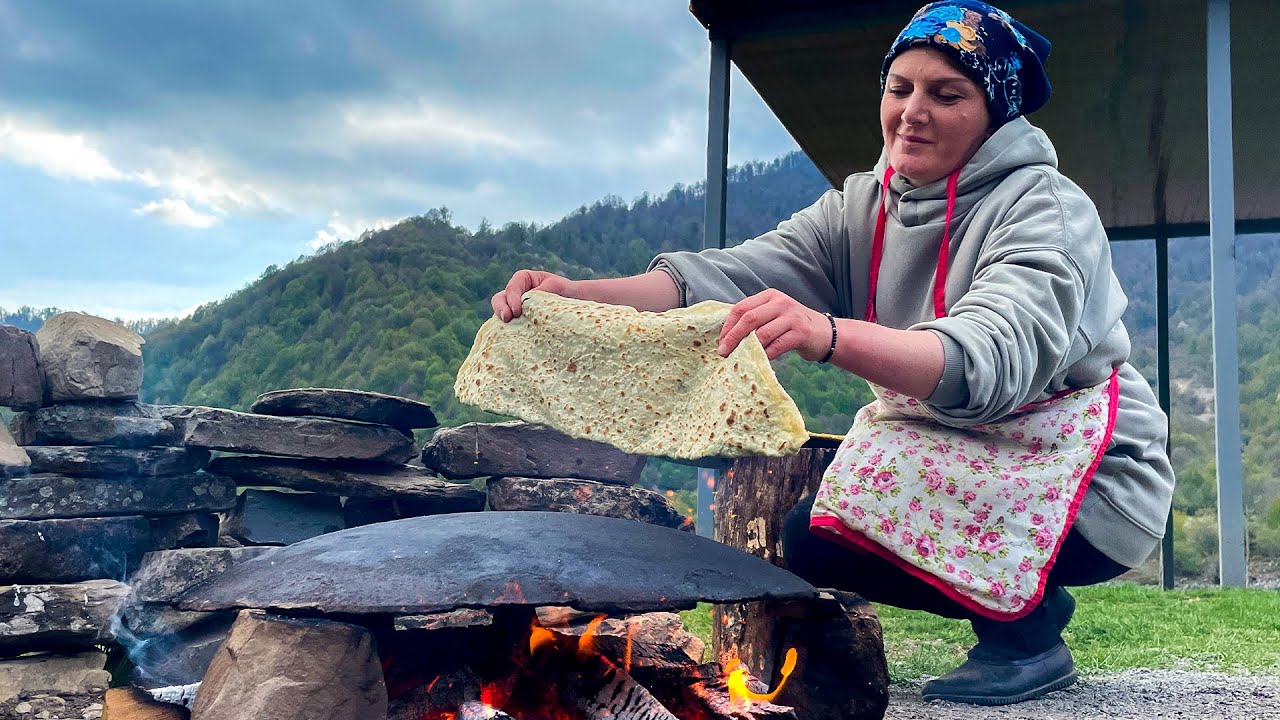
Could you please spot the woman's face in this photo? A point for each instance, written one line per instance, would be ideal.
(934, 118)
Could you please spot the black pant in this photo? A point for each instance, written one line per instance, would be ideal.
(825, 563)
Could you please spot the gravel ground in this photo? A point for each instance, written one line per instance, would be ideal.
(1128, 694)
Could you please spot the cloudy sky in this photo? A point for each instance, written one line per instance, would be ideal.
(159, 154)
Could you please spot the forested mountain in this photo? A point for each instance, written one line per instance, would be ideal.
(395, 311)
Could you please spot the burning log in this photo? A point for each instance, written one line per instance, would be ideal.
(184, 695)
(844, 673)
(647, 640)
(135, 704)
(752, 499)
(702, 693)
(459, 688)
(480, 711)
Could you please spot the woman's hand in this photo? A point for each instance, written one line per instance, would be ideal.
(781, 323)
(507, 304)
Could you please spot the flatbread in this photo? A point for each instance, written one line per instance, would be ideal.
(647, 383)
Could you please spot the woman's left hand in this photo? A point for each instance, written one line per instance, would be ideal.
(780, 322)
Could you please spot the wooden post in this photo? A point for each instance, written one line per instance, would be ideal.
(842, 673)
(752, 499)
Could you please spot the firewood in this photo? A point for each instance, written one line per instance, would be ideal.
(700, 693)
(603, 690)
(752, 501)
(480, 711)
(136, 704)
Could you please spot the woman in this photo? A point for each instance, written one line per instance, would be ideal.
(1012, 450)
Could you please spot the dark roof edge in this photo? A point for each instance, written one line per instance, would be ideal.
(1184, 230)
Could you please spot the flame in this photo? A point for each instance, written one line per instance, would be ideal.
(626, 658)
(737, 681)
(587, 643)
(539, 636)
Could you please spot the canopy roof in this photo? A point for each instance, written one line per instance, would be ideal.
(1128, 112)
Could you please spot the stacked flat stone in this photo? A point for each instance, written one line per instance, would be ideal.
(532, 467)
(314, 460)
(90, 480)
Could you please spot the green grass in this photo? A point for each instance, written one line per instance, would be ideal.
(1116, 627)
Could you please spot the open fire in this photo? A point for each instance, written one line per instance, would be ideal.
(556, 667)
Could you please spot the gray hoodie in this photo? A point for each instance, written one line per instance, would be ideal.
(1033, 306)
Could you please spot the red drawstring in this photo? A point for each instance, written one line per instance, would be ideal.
(944, 250)
(877, 249)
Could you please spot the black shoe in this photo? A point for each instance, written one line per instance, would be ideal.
(985, 680)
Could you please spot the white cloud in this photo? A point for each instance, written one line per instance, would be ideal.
(177, 212)
(60, 154)
(420, 123)
(339, 230)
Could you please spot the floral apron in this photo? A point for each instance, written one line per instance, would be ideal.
(980, 512)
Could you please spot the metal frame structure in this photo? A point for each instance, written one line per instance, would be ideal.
(1222, 263)
(1221, 229)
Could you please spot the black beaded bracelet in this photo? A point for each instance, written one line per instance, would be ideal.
(832, 350)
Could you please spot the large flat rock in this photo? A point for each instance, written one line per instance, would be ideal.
(494, 559)
(350, 480)
(524, 450)
(103, 460)
(58, 617)
(166, 574)
(584, 496)
(218, 429)
(48, 495)
(86, 357)
(14, 461)
(63, 551)
(21, 383)
(400, 413)
(110, 422)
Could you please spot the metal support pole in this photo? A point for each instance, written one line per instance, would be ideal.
(717, 145)
(1222, 259)
(1162, 373)
(713, 223)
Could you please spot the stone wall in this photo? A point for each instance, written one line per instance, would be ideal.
(110, 508)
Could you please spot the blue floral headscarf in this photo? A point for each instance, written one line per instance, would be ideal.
(1000, 54)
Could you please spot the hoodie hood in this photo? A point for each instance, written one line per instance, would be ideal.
(1016, 144)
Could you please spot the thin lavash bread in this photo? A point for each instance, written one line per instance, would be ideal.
(646, 383)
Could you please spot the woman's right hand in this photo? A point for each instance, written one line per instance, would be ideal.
(507, 304)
